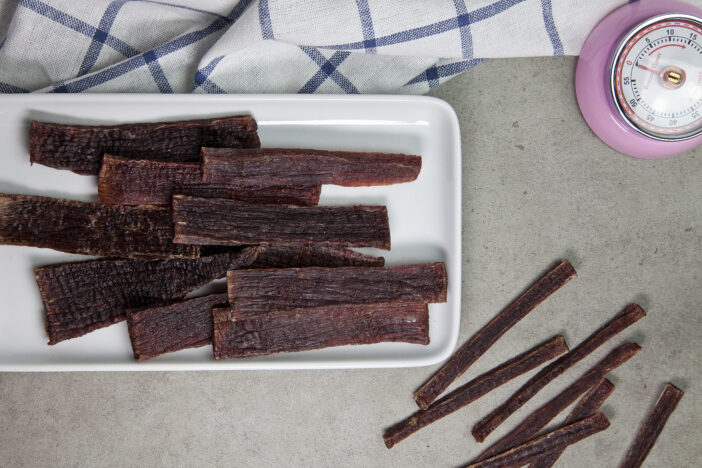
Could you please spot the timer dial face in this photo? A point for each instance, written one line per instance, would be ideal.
(657, 77)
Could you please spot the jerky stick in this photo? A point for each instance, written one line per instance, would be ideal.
(587, 406)
(547, 443)
(652, 427)
(145, 182)
(283, 166)
(484, 427)
(218, 221)
(479, 343)
(541, 417)
(476, 388)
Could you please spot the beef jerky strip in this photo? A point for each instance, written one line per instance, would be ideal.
(145, 182)
(290, 256)
(587, 406)
(652, 427)
(170, 327)
(303, 329)
(542, 416)
(476, 388)
(217, 221)
(280, 166)
(80, 148)
(255, 291)
(479, 343)
(89, 228)
(630, 315)
(555, 440)
(83, 296)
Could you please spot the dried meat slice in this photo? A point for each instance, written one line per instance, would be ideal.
(218, 221)
(80, 148)
(81, 297)
(309, 328)
(89, 228)
(146, 182)
(171, 327)
(292, 256)
(284, 166)
(256, 291)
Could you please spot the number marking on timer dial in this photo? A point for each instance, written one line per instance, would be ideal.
(657, 77)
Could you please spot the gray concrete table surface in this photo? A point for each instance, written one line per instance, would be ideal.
(538, 186)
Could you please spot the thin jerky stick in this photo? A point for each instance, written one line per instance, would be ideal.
(282, 166)
(547, 443)
(145, 182)
(318, 327)
(653, 426)
(587, 406)
(166, 328)
(542, 416)
(90, 228)
(629, 316)
(476, 388)
(218, 221)
(79, 148)
(252, 292)
(479, 343)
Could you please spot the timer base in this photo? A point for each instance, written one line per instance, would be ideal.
(592, 85)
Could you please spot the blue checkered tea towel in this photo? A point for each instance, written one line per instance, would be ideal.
(275, 46)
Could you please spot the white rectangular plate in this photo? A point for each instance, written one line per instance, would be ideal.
(425, 215)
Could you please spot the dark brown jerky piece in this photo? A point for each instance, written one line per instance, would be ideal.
(630, 315)
(145, 182)
(542, 416)
(587, 406)
(255, 291)
(170, 327)
(479, 343)
(303, 329)
(89, 228)
(652, 427)
(555, 440)
(80, 148)
(290, 256)
(217, 221)
(283, 166)
(83, 296)
(468, 393)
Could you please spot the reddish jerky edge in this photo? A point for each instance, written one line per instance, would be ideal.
(285, 166)
(652, 426)
(542, 416)
(311, 328)
(630, 315)
(261, 290)
(475, 389)
(80, 148)
(479, 343)
(218, 221)
(558, 439)
(142, 182)
(587, 406)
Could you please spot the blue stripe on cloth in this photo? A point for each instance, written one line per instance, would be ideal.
(327, 69)
(433, 29)
(264, 18)
(434, 73)
(547, 10)
(366, 26)
(157, 72)
(2, 43)
(100, 36)
(202, 75)
(126, 66)
(466, 37)
(77, 25)
(8, 88)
